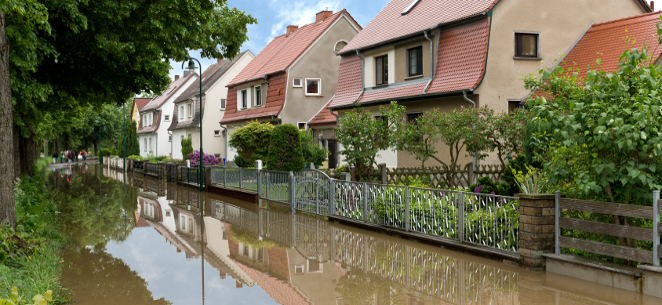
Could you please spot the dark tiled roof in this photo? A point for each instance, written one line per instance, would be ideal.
(283, 50)
(172, 88)
(194, 122)
(154, 127)
(209, 77)
(390, 24)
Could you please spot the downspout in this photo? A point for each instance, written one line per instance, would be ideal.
(464, 94)
(362, 79)
(432, 62)
(170, 136)
(225, 130)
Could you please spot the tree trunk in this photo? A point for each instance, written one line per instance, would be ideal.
(29, 153)
(59, 145)
(7, 210)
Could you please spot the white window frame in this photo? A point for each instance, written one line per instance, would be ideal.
(244, 97)
(319, 86)
(256, 88)
(169, 138)
(305, 126)
(300, 82)
(217, 133)
(224, 103)
(167, 118)
(145, 146)
(182, 114)
(189, 110)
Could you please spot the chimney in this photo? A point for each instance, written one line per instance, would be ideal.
(176, 77)
(653, 6)
(290, 29)
(219, 60)
(321, 16)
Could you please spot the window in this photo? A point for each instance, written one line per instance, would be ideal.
(512, 105)
(258, 96)
(297, 82)
(383, 119)
(182, 223)
(244, 99)
(182, 114)
(189, 136)
(169, 138)
(145, 146)
(223, 101)
(526, 45)
(415, 61)
(167, 118)
(182, 137)
(313, 86)
(189, 110)
(302, 126)
(340, 45)
(246, 251)
(413, 117)
(217, 133)
(381, 64)
(299, 269)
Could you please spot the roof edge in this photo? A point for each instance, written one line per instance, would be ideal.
(626, 18)
(323, 107)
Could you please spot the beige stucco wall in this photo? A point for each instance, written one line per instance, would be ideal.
(401, 58)
(320, 61)
(177, 140)
(560, 23)
(213, 113)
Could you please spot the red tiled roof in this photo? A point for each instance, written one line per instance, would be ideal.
(172, 88)
(461, 65)
(390, 24)
(154, 127)
(324, 116)
(281, 292)
(607, 41)
(272, 106)
(140, 102)
(283, 50)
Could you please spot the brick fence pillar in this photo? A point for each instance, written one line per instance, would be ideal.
(536, 229)
(161, 170)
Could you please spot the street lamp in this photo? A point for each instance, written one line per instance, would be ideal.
(191, 67)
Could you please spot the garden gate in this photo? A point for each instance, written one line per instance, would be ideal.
(312, 192)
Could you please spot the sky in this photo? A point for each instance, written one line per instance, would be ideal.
(274, 15)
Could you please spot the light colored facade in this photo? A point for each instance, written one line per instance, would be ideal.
(214, 101)
(479, 54)
(156, 116)
(295, 75)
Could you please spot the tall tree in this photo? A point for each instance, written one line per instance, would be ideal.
(6, 137)
(132, 145)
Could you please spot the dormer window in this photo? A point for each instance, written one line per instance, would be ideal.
(182, 114)
(415, 61)
(410, 7)
(189, 110)
(258, 96)
(381, 65)
(244, 99)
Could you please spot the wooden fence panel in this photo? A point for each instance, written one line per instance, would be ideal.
(607, 229)
(607, 208)
(605, 249)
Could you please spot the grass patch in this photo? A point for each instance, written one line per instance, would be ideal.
(30, 253)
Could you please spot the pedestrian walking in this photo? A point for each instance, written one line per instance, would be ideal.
(55, 157)
(84, 154)
(70, 156)
(61, 157)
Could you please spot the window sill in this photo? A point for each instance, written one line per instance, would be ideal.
(380, 86)
(527, 58)
(414, 77)
(315, 95)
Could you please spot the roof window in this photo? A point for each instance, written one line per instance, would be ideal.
(410, 7)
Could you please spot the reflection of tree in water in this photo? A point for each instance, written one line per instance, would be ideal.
(357, 287)
(93, 212)
(109, 280)
(248, 238)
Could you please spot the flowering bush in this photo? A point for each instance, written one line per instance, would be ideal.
(206, 159)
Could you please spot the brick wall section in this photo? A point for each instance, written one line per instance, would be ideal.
(536, 229)
(278, 262)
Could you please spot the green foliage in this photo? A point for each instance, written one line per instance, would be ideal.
(538, 136)
(506, 132)
(247, 238)
(422, 182)
(532, 181)
(464, 130)
(515, 163)
(341, 169)
(132, 145)
(113, 152)
(103, 153)
(362, 136)
(285, 150)
(15, 298)
(312, 152)
(136, 157)
(187, 147)
(41, 163)
(607, 133)
(252, 143)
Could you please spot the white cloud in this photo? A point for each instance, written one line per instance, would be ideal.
(298, 12)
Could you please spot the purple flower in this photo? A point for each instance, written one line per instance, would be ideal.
(207, 160)
(478, 189)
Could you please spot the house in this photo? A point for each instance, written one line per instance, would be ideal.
(138, 104)
(156, 116)
(186, 113)
(294, 76)
(607, 41)
(323, 126)
(448, 54)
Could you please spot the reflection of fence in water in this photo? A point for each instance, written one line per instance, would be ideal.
(277, 227)
(313, 238)
(447, 278)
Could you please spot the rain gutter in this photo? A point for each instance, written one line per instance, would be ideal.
(464, 95)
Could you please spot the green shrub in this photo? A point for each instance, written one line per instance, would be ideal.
(252, 143)
(113, 152)
(132, 145)
(187, 148)
(285, 150)
(312, 152)
(341, 169)
(485, 185)
(137, 157)
(103, 153)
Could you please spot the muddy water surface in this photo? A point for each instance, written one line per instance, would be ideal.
(148, 242)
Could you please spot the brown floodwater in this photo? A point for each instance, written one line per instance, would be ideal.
(149, 242)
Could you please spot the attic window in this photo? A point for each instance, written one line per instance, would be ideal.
(410, 7)
(296, 83)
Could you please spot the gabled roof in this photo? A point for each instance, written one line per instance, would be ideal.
(462, 56)
(210, 76)
(607, 41)
(172, 88)
(283, 50)
(390, 24)
(154, 127)
(140, 103)
(324, 116)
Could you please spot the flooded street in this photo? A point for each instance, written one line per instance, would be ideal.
(149, 242)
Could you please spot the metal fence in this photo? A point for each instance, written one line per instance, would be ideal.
(482, 219)
(189, 175)
(151, 169)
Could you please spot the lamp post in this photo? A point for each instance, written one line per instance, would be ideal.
(191, 67)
